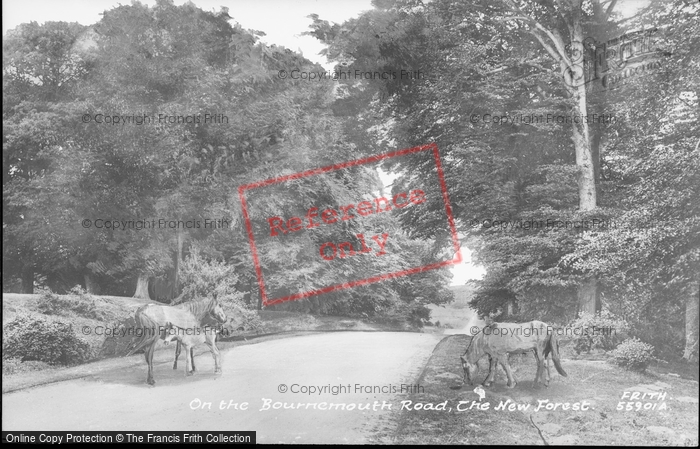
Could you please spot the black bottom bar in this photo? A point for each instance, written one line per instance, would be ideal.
(221, 437)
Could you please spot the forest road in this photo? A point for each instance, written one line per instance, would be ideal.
(263, 378)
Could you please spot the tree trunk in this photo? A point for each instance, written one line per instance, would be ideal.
(27, 279)
(176, 285)
(595, 153)
(142, 287)
(588, 292)
(691, 324)
(589, 296)
(575, 73)
(91, 284)
(581, 137)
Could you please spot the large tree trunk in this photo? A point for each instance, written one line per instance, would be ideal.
(91, 284)
(142, 287)
(691, 324)
(589, 296)
(580, 133)
(574, 71)
(27, 279)
(595, 153)
(588, 292)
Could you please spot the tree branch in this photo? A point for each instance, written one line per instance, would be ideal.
(552, 52)
(610, 8)
(556, 40)
(531, 64)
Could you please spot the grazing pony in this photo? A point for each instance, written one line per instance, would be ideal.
(498, 340)
(186, 321)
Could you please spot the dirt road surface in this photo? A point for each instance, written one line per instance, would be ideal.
(253, 374)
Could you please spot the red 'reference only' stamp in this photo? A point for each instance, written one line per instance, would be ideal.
(318, 234)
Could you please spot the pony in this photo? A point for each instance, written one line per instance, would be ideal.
(210, 336)
(498, 340)
(210, 331)
(185, 319)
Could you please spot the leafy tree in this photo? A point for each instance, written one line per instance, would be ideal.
(132, 75)
(649, 257)
(40, 67)
(525, 59)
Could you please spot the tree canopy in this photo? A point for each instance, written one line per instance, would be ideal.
(530, 103)
(567, 131)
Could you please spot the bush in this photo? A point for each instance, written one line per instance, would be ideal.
(30, 338)
(633, 354)
(418, 315)
(206, 278)
(84, 305)
(15, 365)
(250, 319)
(203, 278)
(601, 331)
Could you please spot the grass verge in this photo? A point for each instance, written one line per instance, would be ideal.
(601, 385)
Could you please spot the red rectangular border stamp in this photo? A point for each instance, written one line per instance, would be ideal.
(448, 209)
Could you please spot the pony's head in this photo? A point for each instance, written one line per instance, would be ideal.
(470, 370)
(217, 312)
(471, 357)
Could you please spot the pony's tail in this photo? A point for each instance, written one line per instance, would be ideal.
(145, 323)
(552, 345)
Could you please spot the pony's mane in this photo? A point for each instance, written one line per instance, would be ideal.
(479, 352)
(199, 307)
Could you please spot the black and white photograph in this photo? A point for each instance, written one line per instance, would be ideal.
(377, 222)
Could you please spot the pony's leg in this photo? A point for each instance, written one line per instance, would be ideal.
(549, 374)
(538, 362)
(188, 356)
(149, 359)
(493, 367)
(509, 372)
(178, 349)
(542, 368)
(211, 342)
(149, 376)
(192, 357)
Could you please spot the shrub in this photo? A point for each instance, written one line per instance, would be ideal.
(204, 278)
(11, 365)
(15, 365)
(84, 305)
(633, 354)
(30, 338)
(52, 304)
(418, 315)
(250, 319)
(601, 331)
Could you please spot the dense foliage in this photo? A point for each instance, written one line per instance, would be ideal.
(567, 212)
(35, 338)
(106, 129)
(516, 181)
